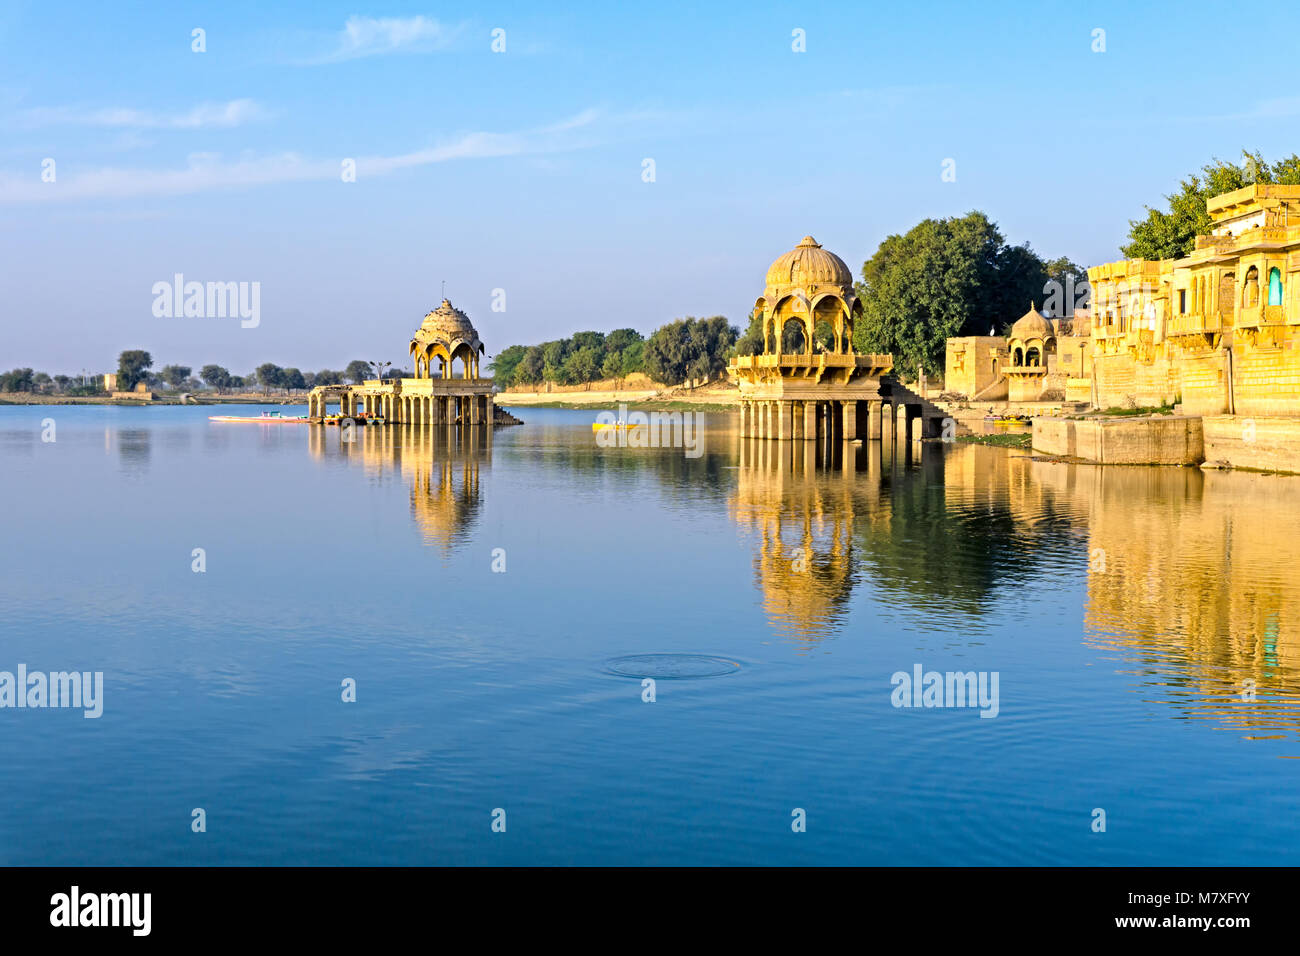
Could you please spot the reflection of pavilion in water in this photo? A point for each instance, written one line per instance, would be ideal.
(441, 466)
(801, 499)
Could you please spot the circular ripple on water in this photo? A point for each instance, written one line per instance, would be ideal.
(670, 666)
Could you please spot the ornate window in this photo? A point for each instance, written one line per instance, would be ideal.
(1275, 286)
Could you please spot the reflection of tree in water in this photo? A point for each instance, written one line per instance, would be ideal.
(133, 448)
(573, 450)
(968, 525)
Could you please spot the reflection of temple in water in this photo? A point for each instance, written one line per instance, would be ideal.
(804, 525)
(801, 500)
(440, 464)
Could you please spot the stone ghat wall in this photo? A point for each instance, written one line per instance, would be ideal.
(1202, 380)
(1269, 444)
(1266, 381)
(1123, 382)
(1161, 440)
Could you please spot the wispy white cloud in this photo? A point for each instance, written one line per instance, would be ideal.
(204, 116)
(378, 36)
(204, 172)
(1281, 107)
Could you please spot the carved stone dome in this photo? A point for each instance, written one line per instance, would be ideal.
(449, 326)
(809, 267)
(1031, 325)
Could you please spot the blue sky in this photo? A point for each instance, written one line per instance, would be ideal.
(522, 170)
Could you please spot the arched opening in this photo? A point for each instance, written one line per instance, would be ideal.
(1250, 294)
(1275, 286)
(1032, 357)
(823, 336)
(794, 338)
(1017, 358)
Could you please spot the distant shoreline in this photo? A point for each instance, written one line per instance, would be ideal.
(523, 400)
(22, 398)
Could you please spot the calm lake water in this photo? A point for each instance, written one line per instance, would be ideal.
(1123, 610)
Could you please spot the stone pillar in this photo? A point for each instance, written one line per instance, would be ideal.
(873, 420)
(744, 414)
(850, 420)
(809, 421)
(785, 420)
(474, 410)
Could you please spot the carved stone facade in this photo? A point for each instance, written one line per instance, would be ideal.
(1219, 330)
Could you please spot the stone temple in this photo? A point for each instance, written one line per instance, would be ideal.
(822, 389)
(447, 343)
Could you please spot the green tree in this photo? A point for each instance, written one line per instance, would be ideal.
(1066, 288)
(291, 379)
(175, 375)
(553, 356)
(634, 358)
(943, 278)
(17, 380)
(612, 367)
(751, 342)
(215, 376)
(1171, 233)
(357, 371)
(620, 339)
(132, 366)
(712, 341)
(583, 340)
(504, 363)
(668, 352)
(530, 367)
(582, 365)
(269, 376)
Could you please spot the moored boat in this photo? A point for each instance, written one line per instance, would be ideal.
(266, 418)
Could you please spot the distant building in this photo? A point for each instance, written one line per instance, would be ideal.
(140, 393)
(1040, 359)
(445, 342)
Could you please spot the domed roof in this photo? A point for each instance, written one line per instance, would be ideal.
(447, 324)
(809, 267)
(1032, 325)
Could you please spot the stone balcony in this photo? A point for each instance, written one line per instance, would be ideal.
(1193, 323)
(821, 360)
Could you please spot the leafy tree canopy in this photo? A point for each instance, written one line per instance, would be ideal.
(1171, 233)
(132, 366)
(943, 278)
